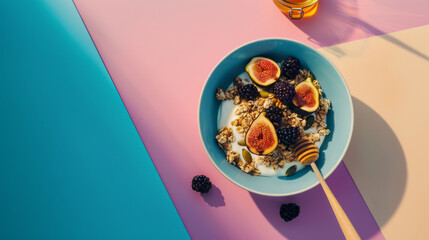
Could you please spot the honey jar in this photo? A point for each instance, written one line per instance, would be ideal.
(297, 9)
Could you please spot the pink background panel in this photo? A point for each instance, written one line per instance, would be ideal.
(159, 54)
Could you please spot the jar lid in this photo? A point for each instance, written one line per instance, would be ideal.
(297, 3)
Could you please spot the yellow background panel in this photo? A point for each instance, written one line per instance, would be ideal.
(388, 77)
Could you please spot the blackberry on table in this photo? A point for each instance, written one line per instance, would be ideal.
(289, 211)
(288, 136)
(284, 92)
(275, 114)
(248, 92)
(201, 183)
(290, 68)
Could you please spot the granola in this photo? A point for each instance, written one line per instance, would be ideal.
(312, 137)
(232, 157)
(225, 137)
(248, 167)
(229, 94)
(286, 154)
(246, 111)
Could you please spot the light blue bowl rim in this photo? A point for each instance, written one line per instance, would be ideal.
(348, 95)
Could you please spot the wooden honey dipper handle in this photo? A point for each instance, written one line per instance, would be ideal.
(348, 230)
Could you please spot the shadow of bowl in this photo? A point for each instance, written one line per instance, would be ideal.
(376, 161)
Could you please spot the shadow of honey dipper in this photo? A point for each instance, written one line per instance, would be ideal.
(307, 153)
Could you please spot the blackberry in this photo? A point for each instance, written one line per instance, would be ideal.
(275, 114)
(289, 211)
(284, 92)
(201, 184)
(290, 67)
(248, 92)
(289, 135)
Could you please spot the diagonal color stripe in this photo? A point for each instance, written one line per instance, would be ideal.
(389, 81)
(72, 165)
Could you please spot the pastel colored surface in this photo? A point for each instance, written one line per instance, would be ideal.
(159, 54)
(388, 77)
(72, 165)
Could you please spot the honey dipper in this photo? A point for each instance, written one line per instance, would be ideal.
(307, 153)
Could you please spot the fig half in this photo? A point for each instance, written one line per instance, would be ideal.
(261, 138)
(306, 98)
(263, 71)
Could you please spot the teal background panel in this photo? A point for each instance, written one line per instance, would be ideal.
(72, 165)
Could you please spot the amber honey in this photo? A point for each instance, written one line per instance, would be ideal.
(297, 9)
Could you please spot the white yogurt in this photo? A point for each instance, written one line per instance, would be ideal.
(226, 115)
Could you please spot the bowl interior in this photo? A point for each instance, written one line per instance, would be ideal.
(339, 118)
